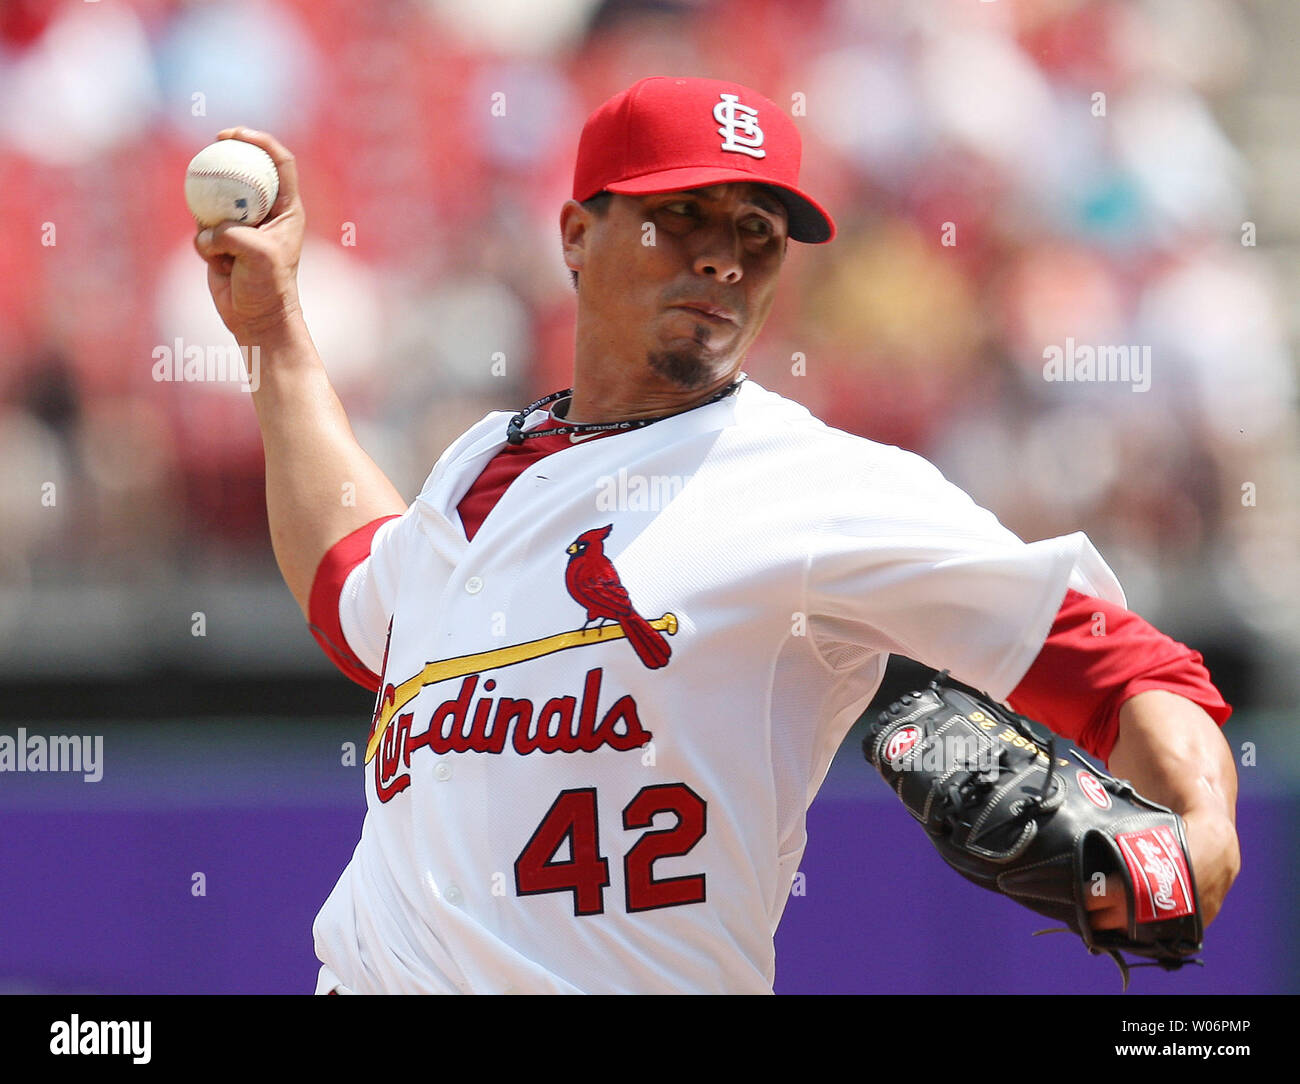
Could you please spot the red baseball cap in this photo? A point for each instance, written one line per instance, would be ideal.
(664, 134)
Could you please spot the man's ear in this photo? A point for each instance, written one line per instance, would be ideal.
(575, 221)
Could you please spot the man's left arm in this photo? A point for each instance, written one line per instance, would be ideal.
(1174, 753)
(1145, 705)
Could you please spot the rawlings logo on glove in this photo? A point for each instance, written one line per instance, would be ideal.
(997, 804)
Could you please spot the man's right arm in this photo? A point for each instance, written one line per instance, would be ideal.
(320, 484)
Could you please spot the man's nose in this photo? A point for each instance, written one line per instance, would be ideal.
(719, 255)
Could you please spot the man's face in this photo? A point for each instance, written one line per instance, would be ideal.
(679, 281)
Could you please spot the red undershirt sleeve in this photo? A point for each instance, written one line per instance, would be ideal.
(1099, 655)
(323, 603)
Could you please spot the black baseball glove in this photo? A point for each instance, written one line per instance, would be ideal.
(1007, 812)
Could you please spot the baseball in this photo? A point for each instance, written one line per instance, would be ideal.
(231, 180)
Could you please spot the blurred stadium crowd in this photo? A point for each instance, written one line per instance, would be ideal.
(435, 142)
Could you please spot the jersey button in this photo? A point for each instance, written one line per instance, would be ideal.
(474, 585)
(442, 771)
(452, 895)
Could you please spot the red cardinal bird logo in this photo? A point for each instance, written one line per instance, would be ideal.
(593, 582)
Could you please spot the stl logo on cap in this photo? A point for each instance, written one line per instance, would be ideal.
(662, 135)
(740, 130)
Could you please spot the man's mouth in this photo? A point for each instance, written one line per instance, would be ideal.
(710, 312)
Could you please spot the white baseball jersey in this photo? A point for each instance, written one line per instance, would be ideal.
(552, 807)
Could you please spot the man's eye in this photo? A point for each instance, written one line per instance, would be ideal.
(759, 226)
(679, 207)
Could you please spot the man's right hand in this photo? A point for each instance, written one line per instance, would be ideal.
(253, 270)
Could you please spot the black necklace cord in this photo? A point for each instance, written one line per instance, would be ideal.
(515, 428)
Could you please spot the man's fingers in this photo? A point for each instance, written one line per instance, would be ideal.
(1111, 917)
(1108, 911)
(219, 262)
(219, 270)
(284, 165)
(232, 239)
